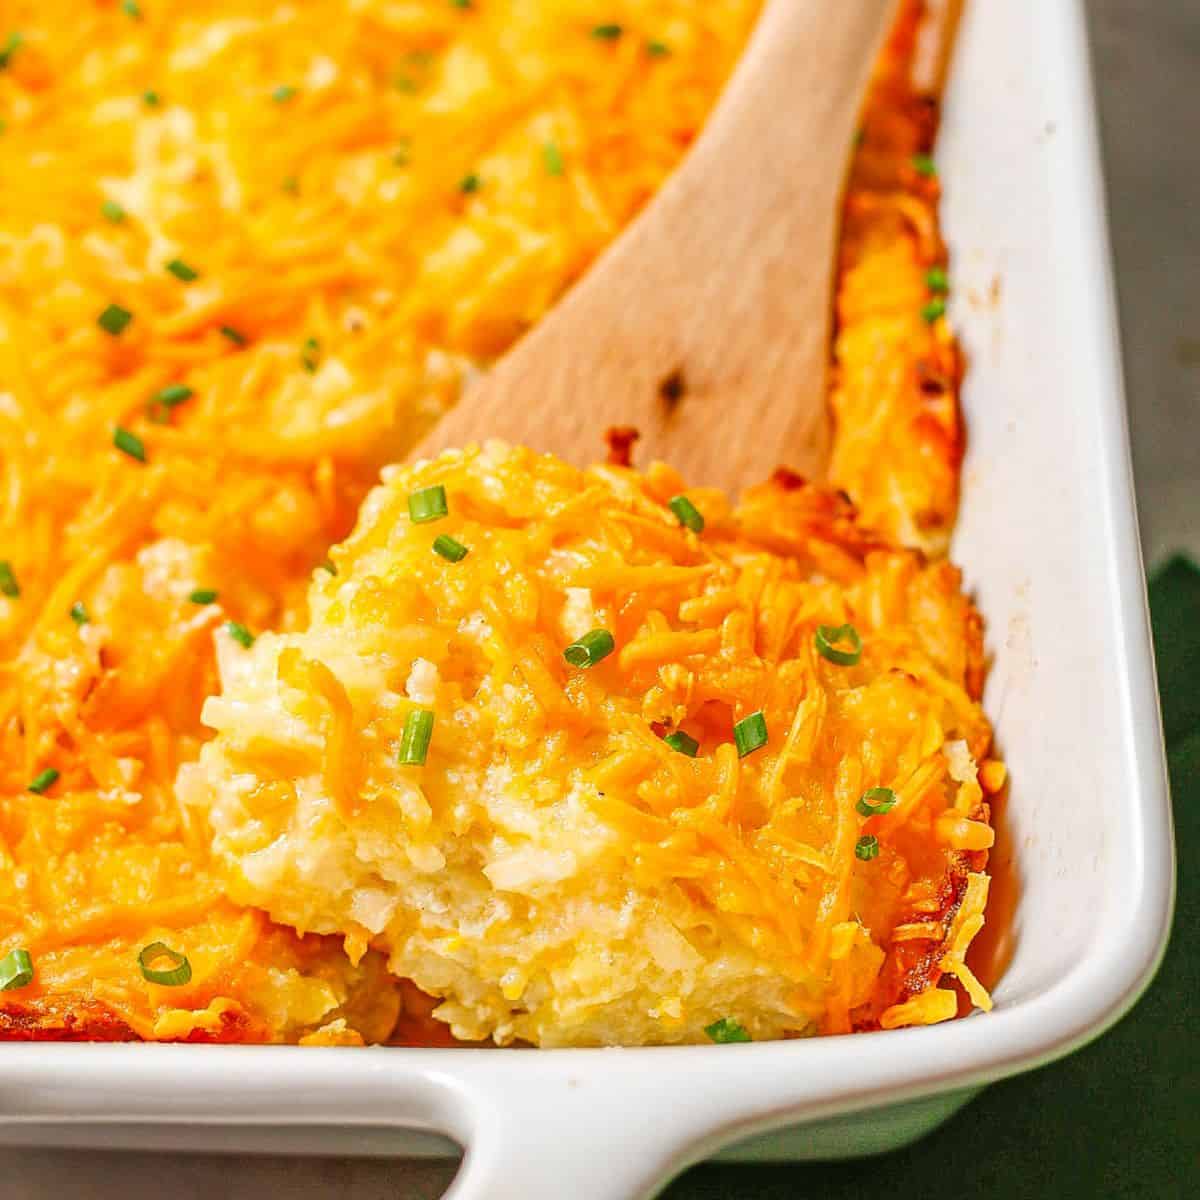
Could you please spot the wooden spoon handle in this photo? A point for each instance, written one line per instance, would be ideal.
(705, 325)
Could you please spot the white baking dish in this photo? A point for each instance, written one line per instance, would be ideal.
(1049, 543)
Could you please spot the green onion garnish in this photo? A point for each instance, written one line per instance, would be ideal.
(8, 579)
(10, 48)
(866, 848)
(16, 970)
(182, 271)
(236, 337)
(151, 99)
(327, 564)
(204, 596)
(876, 801)
(130, 9)
(240, 634)
(110, 210)
(114, 319)
(727, 1030)
(608, 33)
(449, 549)
(427, 504)
(79, 613)
(827, 640)
(460, 3)
(683, 743)
(129, 443)
(657, 49)
(470, 183)
(934, 309)
(291, 185)
(43, 780)
(172, 395)
(590, 649)
(750, 734)
(402, 155)
(552, 158)
(414, 741)
(924, 165)
(687, 513)
(176, 975)
(283, 93)
(936, 280)
(310, 355)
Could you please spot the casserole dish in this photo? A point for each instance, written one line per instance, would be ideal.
(1047, 531)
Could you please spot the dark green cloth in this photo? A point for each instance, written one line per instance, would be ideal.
(1119, 1119)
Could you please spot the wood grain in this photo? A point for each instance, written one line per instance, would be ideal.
(706, 324)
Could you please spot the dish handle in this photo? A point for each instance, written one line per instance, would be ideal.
(567, 1136)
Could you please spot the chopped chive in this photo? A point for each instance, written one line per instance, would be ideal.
(204, 596)
(933, 310)
(129, 443)
(310, 355)
(114, 319)
(727, 1030)
(151, 99)
(924, 166)
(657, 49)
(470, 184)
(16, 970)
(8, 580)
(110, 210)
(176, 975)
(750, 734)
(79, 613)
(876, 801)
(608, 33)
(449, 549)
(414, 741)
(683, 743)
(3, 125)
(291, 185)
(827, 639)
(427, 504)
(866, 848)
(327, 564)
(402, 155)
(131, 9)
(460, 3)
(10, 48)
(234, 335)
(283, 93)
(552, 159)
(590, 649)
(182, 271)
(936, 280)
(687, 513)
(43, 780)
(172, 395)
(240, 634)
(404, 82)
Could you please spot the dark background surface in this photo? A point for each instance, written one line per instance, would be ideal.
(1121, 1118)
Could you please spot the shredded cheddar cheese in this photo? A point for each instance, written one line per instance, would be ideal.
(239, 271)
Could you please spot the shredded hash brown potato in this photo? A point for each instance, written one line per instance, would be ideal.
(555, 870)
(374, 200)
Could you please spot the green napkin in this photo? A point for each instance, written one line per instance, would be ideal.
(1119, 1119)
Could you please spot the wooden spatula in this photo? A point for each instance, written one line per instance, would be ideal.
(705, 325)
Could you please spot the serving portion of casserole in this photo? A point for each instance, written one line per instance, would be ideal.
(247, 254)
